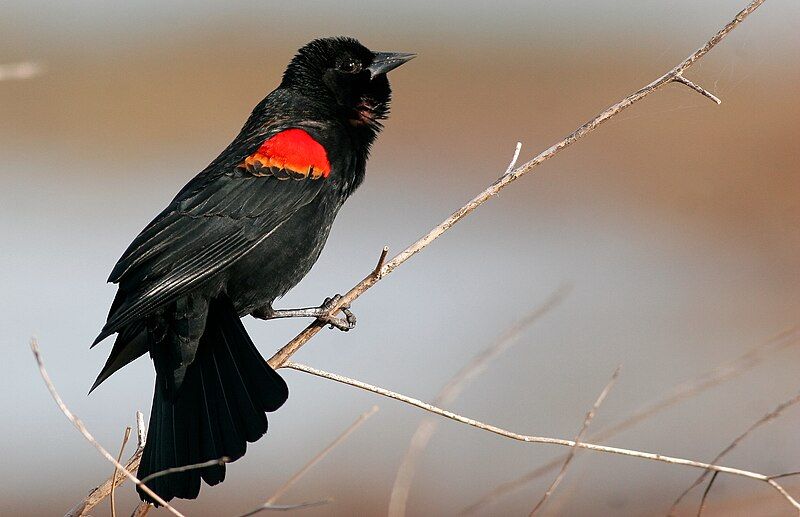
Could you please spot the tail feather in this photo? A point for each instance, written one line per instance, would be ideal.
(219, 407)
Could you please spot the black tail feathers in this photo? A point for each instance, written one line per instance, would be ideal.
(218, 408)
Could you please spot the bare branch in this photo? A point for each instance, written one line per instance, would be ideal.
(696, 87)
(88, 436)
(285, 507)
(381, 260)
(785, 475)
(769, 417)
(292, 346)
(324, 452)
(586, 421)
(714, 377)
(114, 475)
(514, 159)
(542, 439)
(705, 494)
(103, 490)
(141, 509)
(454, 387)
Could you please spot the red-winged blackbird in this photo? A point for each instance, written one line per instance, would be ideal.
(239, 235)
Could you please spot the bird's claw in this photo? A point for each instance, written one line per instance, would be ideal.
(343, 324)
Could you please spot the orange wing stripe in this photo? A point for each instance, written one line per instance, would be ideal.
(294, 153)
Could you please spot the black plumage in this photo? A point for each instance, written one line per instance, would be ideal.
(239, 235)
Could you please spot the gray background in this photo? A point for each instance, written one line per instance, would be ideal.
(677, 225)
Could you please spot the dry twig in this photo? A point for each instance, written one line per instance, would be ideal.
(585, 427)
(324, 452)
(88, 436)
(114, 475)
(714, 377)
(705, 494)
(542, 439)
(428, 425)
(141, 509)
(383, 269)
(769, 417)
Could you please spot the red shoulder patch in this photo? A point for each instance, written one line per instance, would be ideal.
(292, 153)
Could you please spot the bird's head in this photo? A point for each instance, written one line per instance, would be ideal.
(344, 71)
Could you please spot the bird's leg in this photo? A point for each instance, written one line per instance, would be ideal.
(321, 313)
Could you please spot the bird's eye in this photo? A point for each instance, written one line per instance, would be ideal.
(350, 66)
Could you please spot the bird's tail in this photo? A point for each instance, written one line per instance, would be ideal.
(218, 408)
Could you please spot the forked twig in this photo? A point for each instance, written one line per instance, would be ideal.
(542, 439)
(584, 427)
(705, 494)
(674, 75)
(88, 436)
(769, 417)
(683, 391)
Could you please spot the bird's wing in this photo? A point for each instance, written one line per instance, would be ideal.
(215, 221)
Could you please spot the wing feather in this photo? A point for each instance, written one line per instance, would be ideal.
(204, 230)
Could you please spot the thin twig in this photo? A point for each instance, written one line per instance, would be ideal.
(114, 475)
(324, 452)
(683, 391)
(381, 260)
(183, 468)
(141, 509)
(454, 387)
(785, 475)
(769, 417)
(699, 89)
(103, 490)
(542, 439)
(100, 492)
(286, 507)
(705, 494)
(584, 427)
(514, 159)
(283, 355)
(88, 436)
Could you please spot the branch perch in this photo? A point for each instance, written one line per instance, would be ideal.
(584, 427)
(685, 390)
(769, 417)
(674, 75)
(88, 436)
(543, 439)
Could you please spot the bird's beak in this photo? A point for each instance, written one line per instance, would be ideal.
(387, 61)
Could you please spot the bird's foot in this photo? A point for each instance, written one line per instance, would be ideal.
(343, 324)
(322, 313)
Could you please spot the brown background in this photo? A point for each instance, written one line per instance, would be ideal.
(676, 224)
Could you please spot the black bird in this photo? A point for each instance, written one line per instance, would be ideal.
(239, 235)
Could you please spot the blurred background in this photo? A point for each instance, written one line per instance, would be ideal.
(676, 225)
